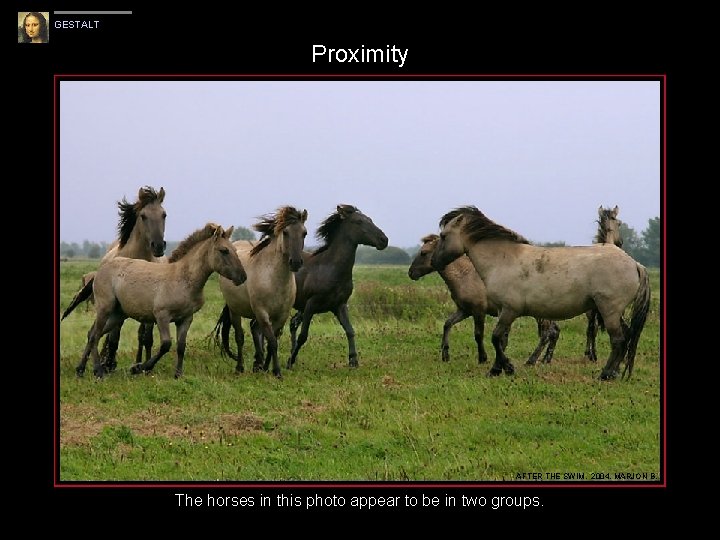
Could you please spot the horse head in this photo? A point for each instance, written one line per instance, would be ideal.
(422, 263)
(609, 226)
(450, 245)
(291, 232)
(224, 258)
(361, 227)
(151, 218)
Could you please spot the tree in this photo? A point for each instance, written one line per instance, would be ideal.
(94, 251)
(559, 243)
(632, 243)
(242, 233)
(651, 240)
(389, 255)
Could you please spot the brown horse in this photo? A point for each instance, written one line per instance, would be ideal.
(324, 283)
(608, 233)
(160, 293)
(141, 232)
(468, 292)
(554, 283)
(269, 292)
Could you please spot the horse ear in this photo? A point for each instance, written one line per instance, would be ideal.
(303, 217)
(228, 232)
(343, 210)
(616, 210)
(600, 210)
(161, 195)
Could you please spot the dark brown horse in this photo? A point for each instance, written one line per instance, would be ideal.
(608, 233)
(470, 296)
(324, 283)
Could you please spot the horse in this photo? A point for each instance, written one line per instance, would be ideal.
(269, 292)
(553, 283)
(468, 292)
(141, 238)
(86, 278)
(324, 283)
(608, 233)
(160, 293)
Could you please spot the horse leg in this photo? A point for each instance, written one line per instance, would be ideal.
(109, 350)
(163, 323)
(542, 328)
(479, 320)
(591, 334)
(181, 330)
(500, 336)
(307, 316)
(91, 341)
(265, 330)
(342, 315)
(236, 322)
(256, 332)
(553, 334)
(295, 322)
(451, 321)
(615, 329)
(145, 341)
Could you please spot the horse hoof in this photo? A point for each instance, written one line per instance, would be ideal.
(278, 375)
(99, 373)
(257, 368)
(354, 364)
(136, 369)
(79, 372)
(608, 376)
(531, 362)
(510, 369)
(494, 372)
(482, 360)
(178, 374)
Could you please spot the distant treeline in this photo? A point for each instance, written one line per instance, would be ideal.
(643, 247)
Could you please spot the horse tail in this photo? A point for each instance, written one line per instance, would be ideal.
(641, 307)
(599, 320)
(80, 297)
(222, 333)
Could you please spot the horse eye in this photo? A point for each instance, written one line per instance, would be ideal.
(442, 236)
(224, 251)
(143, 217)
(304, 234)
(164, 215)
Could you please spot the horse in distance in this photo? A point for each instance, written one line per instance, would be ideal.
(160, 293)
(608, 233)
(468, 292)
(324, 283)
(269, 292)
(553, 283)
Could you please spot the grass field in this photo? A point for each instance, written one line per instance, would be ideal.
(402, 415)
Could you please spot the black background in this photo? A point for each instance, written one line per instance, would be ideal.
(207, 42)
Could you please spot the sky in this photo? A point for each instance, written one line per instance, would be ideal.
(538, 157)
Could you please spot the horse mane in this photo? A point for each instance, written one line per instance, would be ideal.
(479, 227)
(271, 225)
(194, 238)
(606, 214)
(328, 228)
(129, 211)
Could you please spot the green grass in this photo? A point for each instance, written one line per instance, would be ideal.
(402, 415)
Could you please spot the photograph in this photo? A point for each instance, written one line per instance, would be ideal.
(360, 281)
(33, 27)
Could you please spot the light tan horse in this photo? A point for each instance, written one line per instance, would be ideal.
(160, 293)
(141, 235)
(269, 292)
(608, 233)
(468, 292)
(552, 283)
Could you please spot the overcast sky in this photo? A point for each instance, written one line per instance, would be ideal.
(536, 156)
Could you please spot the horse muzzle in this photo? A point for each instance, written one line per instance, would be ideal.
(296, 264)
(158, 248)
(382, 243)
